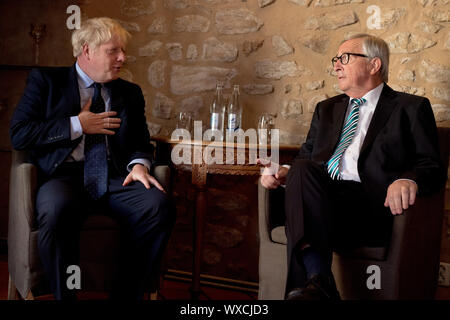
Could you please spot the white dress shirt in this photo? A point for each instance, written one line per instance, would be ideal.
(349, 162)
(86, 92)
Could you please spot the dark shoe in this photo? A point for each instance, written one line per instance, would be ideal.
(296, 294)
(318, 287)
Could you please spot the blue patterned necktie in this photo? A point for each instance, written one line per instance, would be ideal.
(95, 156)
(348, 132)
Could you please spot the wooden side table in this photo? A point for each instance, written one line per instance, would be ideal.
(240, 161)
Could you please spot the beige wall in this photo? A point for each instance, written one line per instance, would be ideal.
(278, 50)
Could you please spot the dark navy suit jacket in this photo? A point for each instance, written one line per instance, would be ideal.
(41, 121)
(401, 142)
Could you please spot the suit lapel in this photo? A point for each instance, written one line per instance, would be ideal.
(72, 92)
(383, 111)
(117, 102)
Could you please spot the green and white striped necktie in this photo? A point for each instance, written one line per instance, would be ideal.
(348, 132)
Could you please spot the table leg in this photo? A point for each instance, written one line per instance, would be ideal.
(199, 224)
(199, 180)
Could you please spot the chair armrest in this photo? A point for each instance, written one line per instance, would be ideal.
(162, 174)
(270, 210)
(419, 225)
(416, 241)
(263, 213)
(21, 220)
(22, 190)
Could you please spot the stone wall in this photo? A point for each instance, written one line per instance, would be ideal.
(279, 51)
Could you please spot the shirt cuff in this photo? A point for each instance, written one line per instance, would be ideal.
(288, 167)
(144, 162)
(409, 180)
(76, 130)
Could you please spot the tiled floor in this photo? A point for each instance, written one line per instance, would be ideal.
(170, 290)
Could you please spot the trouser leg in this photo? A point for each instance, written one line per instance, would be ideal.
(328, 215)
(60, 214)
(307, 215)
(147, 218)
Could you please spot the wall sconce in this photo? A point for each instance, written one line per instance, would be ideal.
(37, 32)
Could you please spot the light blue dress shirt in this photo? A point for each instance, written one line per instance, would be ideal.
(86, 92)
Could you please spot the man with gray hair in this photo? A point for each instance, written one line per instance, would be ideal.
(86, 131)
(368, 153)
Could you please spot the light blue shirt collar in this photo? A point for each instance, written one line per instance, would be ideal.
(83, 78)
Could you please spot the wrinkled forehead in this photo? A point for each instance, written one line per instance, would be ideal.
(352, 45)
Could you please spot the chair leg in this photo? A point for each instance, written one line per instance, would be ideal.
(13, 294)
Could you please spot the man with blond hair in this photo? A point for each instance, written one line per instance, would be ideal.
(85, 129)
(368, 153)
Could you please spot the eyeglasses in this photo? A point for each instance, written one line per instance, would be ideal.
(345, 57)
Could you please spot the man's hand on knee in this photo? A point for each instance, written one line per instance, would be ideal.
(140, 173)
(400, 195)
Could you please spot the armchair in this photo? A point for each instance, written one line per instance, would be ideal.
(409, 265)
(98, 262)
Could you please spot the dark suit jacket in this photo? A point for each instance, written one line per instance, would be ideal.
(401, 142)
(41, 121)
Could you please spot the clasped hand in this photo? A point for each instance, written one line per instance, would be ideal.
(273, 175)
(98, 123)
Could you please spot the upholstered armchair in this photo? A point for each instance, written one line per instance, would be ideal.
(408, 266)
(98, 262)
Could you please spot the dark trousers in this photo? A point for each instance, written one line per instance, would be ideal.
(329, 215)
(146, 217)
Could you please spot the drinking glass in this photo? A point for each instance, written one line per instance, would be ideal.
(265, 124)
(184, 120)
